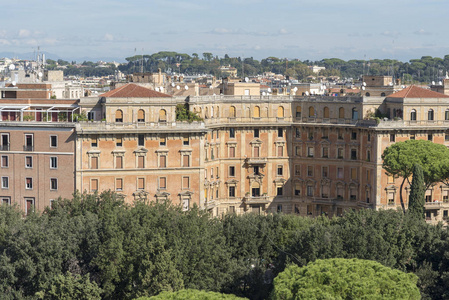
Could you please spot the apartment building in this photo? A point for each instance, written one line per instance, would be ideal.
(37, 143)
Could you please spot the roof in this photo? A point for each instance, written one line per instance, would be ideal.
(132, 90)
(417, 92)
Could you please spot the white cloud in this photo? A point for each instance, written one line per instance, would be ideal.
(422, 32)
(24, 33)
(108, 37)
(283, 31)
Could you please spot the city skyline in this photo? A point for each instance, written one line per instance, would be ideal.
(308, 30)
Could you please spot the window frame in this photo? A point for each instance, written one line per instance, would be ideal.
(55, 158)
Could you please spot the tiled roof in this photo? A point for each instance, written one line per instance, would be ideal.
(132, 90)
(417, 92)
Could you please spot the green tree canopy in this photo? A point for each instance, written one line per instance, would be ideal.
(192, 294)
(400, 158)
(417, 193)
(340, 278)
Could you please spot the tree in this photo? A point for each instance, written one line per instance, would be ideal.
(340, 278)
(70, 286)
(417, 193)
(192, 294)
(400, 158)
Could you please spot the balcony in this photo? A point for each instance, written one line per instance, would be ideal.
(28, 148)
(256, 200)
(4, 147)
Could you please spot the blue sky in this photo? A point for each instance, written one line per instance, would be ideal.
(304, 29)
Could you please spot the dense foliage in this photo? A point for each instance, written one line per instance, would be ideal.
(184, 114)
(96, 245)
(192, 294)
(425, 69)
(340, 278)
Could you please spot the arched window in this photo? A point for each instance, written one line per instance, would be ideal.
(256, 112)
(355, 114)
(119, 116)
(413, 115)
(298, 111)
(200, 112)
(430, 115)
(326, 112)
(141, 116)
(446, 115)
(367, 94)
(311, 112)
(206, 113)
(212, 112)
(382, 94)
(162, 115)
(280, 112)
(341, 113)
(232, 112)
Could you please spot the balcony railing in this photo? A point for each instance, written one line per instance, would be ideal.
(4, 147)
(28, 148)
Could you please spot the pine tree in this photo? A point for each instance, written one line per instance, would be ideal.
(417, 193)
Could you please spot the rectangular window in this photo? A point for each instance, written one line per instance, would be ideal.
(256, 151)
(91, 115)
(325, 171)
(256, 133)
(53, 162)
(280, 151)
(185, 182)
(162, 182)
(354, 173)
(5, 161)
(231, 133)
(232, 191)
(141, 140)
(279, 191)
(94, 141)
(390, 198)
(429, 137)
(5, 201)
(119, 184)
(256, 170)
(310, 171)
(28, 161)
(28, 183)
(4, 146)
(353, 154)
(140, 183)
(29, 205)
(29, 143)
(163, 161)
(310, 151)
(280, 132)
(119, 141)
(369, 137)
(297, 133)
(231, 171)
(94, 185)
(280, 171)
(53, 184)
(354, 135)
(392, 137)
(446, 137)
(140, 162)
(231, 209)
(211, 173)
(325, 152)
(185, 160)
(5, 182)
(53, 141)
(119, 162)
(340, 134)
(412, 136)
(310, 191)
(368, 175)
(94, 162)
(162, 141)
(390, 178)
(298, 151)
(340, 173)
(185, 141)
(297, 170)
(231, 151)
(368, 155)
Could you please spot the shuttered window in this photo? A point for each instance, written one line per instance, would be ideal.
(94, 185)
(231, 151)
(140, 161)
(119, 162)
(162, 183)
(140, 116)
(140, 183)
(185, 161)
(119, 184)
(256, 151)
(163, 161)
(94, 162)
(185, 182)
(119, 116)
(280, 150)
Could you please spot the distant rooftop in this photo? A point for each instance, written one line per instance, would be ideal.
(131, 90)
(416, 92)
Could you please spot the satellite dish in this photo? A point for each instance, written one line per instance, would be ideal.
(390, 84)
(186, 87)
(14, 83)
(246, 79)
(307, 93)
(403, 86)
(295, 88)
(364, 83)
(440, 83)
(161, 88)
(211, 87)
(433, 82)
(363, 88)
(263, 93)
(269, 90)
(173, 84)
(40, 74)
(157, 89)
(12, 67)
(177, 87)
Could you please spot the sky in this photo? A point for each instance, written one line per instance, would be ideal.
(303, 29)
